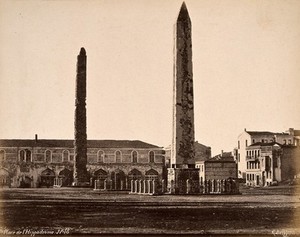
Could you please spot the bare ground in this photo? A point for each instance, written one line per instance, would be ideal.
(266, 211)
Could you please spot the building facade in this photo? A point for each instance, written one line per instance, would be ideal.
(248, 138)
(271, 163)
(219, 167)
(46, 163)
(216, 170)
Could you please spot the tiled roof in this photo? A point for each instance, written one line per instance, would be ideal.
(261, 133)
(196, 144)
(220, 161)
(70, 143)
(225, 156)
(265, 144)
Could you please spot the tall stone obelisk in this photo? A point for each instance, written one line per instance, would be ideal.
(80, 142)
(182, 152)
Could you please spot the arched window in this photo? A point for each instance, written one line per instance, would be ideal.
(2, 155)
(151, 175)
(151, 156)
(22, 156)
(66, 176)
(27, 155)
(48, 156)
(100, 156)
(134, 157)
(118, 157)
(100, 174)
(134, 174)
(66, 155)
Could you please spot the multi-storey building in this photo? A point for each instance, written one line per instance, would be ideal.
(269, 163)
(248, 138)
(44, 163)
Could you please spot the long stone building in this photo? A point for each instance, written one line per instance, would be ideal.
(46, 163)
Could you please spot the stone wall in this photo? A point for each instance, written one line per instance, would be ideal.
(220, 170)
(290, 162)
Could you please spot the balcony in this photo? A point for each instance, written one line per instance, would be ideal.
(252, 158)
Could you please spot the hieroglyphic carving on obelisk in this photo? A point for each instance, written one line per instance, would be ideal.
(182, 152)
(80, 142)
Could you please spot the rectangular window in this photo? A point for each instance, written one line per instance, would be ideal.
(246, 142)
(238, 144)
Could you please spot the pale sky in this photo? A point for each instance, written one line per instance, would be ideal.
(246, 60)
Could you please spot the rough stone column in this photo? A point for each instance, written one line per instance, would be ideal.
(183, 152)
(80, 142)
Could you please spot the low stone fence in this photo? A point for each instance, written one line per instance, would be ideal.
(153, 187)
(219, 186)
(57, 182)
(108, 184)
(144, 187)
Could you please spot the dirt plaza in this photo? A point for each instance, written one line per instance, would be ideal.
(263, 211)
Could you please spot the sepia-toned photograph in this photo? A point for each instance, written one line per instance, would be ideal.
(149, 117)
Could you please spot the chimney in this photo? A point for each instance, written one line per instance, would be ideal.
(222, 153)
(291, 131)
(36, 137)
